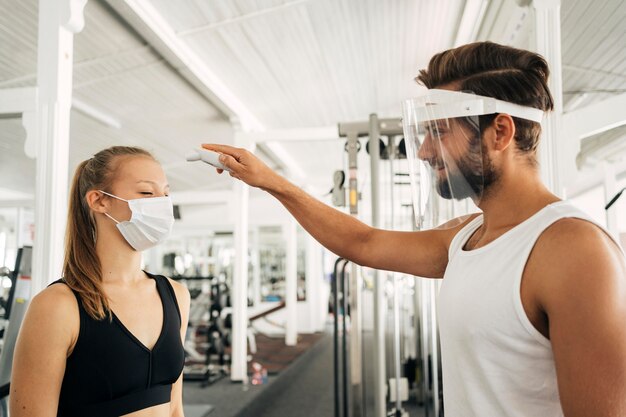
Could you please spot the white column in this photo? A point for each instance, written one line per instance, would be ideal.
(153, 260)
(325, 290)
(610, 189)
(256, 268)
(313, 281)
(548, 44)
(380, 360)
(291, 282)
(434, 350)
(239, 296)
(58, 21)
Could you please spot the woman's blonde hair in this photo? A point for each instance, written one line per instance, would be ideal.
(81, 267)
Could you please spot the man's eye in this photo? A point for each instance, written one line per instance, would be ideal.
(437, 131)
(145, 192)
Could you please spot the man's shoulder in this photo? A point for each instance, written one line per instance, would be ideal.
(573, 233)
(574, 247)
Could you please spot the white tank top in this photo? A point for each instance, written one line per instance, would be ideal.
(495, 363)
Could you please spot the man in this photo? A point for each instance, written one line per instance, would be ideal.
(533, 304)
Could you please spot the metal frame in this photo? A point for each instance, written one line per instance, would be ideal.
(373, 128)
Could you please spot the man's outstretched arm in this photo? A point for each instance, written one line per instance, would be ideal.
(417, 253)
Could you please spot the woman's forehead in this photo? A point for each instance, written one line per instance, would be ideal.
(141, 170)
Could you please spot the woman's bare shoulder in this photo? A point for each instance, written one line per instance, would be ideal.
(55, 305)
(181, 291)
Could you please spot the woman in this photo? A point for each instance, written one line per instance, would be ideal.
(107, 339)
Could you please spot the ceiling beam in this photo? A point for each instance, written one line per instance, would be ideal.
(329, 133)
(18, 100)
(142, 16)
(95, 114)
(20, 202)
(595, 118)
(471, 20)
(584, 122)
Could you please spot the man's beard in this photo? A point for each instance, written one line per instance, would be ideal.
(471, 176)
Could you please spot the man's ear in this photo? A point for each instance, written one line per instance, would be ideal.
(504, 128)
(97, 201)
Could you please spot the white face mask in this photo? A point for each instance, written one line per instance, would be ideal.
(150, 224)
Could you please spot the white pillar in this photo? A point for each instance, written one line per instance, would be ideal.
(380, 360)
(256, 268)
(325, 290)
(153, 260)
(610, 189)
(313, 282)
(434, 346)
(291, 282)
(548, 44)
(58, 21)
(239, 296)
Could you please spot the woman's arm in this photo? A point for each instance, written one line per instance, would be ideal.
(46, 338)
(183, 298)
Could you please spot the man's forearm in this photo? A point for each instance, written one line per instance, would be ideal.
(344, 235)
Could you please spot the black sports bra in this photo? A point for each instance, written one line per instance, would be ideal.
(111, 373)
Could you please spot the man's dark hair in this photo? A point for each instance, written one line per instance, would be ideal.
(501, 72)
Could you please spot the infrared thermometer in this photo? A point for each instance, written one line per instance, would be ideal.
(206, 156)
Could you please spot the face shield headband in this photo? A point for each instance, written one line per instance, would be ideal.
(444, 146)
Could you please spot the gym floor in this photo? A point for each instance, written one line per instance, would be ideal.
(305, 388)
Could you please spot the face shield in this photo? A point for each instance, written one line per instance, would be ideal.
(447, 165)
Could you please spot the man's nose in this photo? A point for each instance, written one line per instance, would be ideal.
(426, 150)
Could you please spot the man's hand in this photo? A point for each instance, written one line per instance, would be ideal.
(246, 167)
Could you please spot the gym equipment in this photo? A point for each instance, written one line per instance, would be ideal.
(408, 352)
(389, 151)
(209, 157)
(383, 152)
(208, 334)
(6, 298)
(338, 191)
(614, 199)
(17, 304)
(373, 128)
(340, 399)
(396, 384)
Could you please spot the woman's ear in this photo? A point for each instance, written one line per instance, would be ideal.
(504, 127)
(97, 201)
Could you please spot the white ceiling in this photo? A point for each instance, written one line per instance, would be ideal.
(291, 63)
